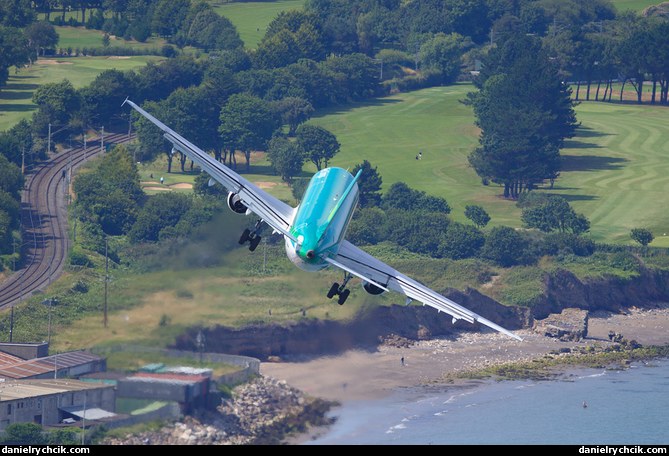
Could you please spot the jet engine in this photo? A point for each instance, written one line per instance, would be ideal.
(372, 289)
(235, 203)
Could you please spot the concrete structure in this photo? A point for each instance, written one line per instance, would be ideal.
(25, 351)
(187, 390)
(48, 402)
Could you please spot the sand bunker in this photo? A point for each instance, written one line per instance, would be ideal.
(52, 62)
(158, 189)
(263, 184)
(181, 185)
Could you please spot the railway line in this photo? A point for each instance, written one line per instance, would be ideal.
(44, 220)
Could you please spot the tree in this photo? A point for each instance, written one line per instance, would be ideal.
(102, 98)
(318, 144)
(368, 226)
(169, 16)
(161, 211)
(286, 158)
(201, 186)
(11, 179)
(421, 234)
(360, 74)
(14, 50)
(444, 54)
(294, 111)
(519, 82)
(554, 214)
(41, 36)
(16, 13)
(369, 184)
(401, 196)
(504, 245)
(158, 81)
(151, 139)
(461, 241)
(478, 215)
(110, 195)
(247, 124)
(57, 101)
(209, 30)
(16, 144)
(194, 112)
(24, 434)
(278, 51)
(642, 235)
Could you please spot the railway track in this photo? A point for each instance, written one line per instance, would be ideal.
(44, 221)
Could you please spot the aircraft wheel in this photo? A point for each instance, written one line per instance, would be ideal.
(254, 243)
(342, 296)
(334, 289)
(245, 236)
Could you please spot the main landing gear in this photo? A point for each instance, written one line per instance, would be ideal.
(340, 290)
(252, 236)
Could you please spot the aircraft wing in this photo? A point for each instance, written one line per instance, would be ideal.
(274, 212)
(365, 266)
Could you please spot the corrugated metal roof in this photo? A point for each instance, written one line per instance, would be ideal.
(39, 366)
(6, 359)
(23, 389)
(92, 413)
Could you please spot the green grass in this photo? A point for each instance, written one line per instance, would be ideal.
(634, 5)
(81, 37)
(133, 361)
(615, 170)
(520, 286)
(252, 18)
(16, 96)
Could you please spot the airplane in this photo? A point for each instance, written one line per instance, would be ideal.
(314, 230)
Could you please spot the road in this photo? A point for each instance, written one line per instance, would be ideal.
(44, 221)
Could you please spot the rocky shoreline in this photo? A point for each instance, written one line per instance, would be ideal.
(262, 411)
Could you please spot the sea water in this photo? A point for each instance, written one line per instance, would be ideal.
(601, 406)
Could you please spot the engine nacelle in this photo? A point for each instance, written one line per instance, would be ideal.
(235, 203)
(372, 289)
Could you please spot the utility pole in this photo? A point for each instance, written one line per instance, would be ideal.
(102, 139)
(106, 282)
(85, 146)
(11, 324)
(83, 421)
(23, 159)
(48, 141)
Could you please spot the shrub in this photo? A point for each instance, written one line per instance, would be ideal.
(80, 259)
(461, 241)
(504, 245)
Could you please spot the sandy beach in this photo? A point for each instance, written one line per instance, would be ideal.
(359, 374)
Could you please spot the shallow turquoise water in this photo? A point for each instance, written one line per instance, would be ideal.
(623, 407)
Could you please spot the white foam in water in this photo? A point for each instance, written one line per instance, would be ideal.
(510, 415)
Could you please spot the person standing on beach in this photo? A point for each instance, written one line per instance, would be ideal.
(402, 360)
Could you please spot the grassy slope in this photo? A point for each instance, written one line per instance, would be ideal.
(252, 18)
(80, 37)
(635, 5)
(15, 97)
(615, 170)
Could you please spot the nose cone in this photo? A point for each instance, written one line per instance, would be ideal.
(310, 254)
